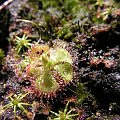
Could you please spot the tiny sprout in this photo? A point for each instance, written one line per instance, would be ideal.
(2, 55)
(22, 43)
(64, 115)
(107, 12)
(15, 103)
(99, 2)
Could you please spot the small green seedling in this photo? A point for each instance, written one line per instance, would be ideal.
(64, 115)
(15, 103)
(2, 55)
(99, 2)
(107, 12)
(22, 43)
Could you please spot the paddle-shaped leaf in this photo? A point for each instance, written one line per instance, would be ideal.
(65, 70)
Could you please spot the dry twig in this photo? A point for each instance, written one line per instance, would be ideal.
(5, 4)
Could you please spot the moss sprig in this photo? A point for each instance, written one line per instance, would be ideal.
(16, 103)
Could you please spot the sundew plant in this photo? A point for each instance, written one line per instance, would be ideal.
(48, 68)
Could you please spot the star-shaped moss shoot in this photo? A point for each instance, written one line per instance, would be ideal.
(22, 43)
(16, 103)
(64, 115)
(49, 67)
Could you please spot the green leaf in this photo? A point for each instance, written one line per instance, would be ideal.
(44, 61)
(61, 55)
(46, 82)
(65, 70)
(47, 77)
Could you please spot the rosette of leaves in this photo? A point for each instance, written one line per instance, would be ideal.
(49, 68)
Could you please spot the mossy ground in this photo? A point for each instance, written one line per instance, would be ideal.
(92, 28)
